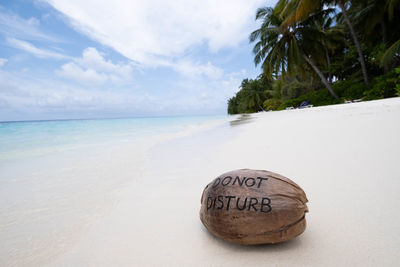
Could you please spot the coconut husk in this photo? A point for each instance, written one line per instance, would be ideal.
(253, 207)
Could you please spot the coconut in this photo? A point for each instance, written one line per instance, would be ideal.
(253, 207)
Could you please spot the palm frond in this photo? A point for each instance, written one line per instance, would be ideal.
(390, 53)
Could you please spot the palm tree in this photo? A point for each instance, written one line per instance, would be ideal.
(372, 13)
(284, 49)
(232, 105)
(341, 4)
(295, 11)
(254, 94)
(333, 35)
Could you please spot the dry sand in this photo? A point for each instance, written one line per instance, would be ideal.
(345, 157)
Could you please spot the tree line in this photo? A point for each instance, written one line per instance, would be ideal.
(325, 52)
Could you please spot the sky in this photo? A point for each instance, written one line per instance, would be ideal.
(69, 59)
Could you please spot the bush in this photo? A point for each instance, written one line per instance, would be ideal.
(387, 85)
(271, 104)
(289, 103)
(350, 89)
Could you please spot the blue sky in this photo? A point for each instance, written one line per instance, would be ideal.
(63, 59)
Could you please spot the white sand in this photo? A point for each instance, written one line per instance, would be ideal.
(344, 156)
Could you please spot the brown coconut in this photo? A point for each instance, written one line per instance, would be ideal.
(253, 207)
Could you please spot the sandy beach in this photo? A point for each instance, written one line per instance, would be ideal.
(344, 157)
(199, 133)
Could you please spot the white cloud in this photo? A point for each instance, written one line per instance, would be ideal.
(91, 58)
(38, 52)
(74, 72)
(34, 22)
(155, 32)
(3, 61)
(163, 33)
(92, 68)
(13, 26)
(25, 97)
(194, 70)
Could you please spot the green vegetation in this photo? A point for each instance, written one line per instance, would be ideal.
(323, 51)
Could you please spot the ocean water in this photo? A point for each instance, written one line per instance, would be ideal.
(20, 140)
(57, 178)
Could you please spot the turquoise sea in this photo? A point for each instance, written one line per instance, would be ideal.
(37, 138)
(57, 178)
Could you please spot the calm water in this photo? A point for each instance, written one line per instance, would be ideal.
(37, 138)
(58, 177)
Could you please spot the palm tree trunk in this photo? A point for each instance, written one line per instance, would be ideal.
(384, 40)
(356, 43)
(319, 73)
(384, 31)
(328, 60)
(262, 109)
(258, 103)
